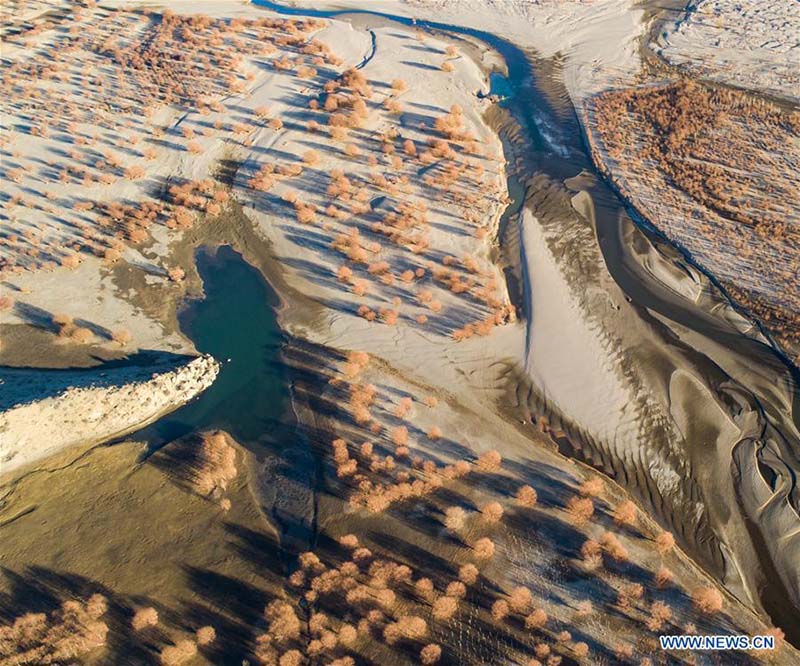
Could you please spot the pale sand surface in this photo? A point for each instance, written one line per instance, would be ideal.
(649, 411)
(745, 43)
(598, 41)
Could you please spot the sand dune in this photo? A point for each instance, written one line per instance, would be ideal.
(633, 400)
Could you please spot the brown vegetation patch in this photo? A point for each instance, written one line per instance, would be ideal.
(716, 171)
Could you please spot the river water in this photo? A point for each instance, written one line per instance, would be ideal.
(234, 321)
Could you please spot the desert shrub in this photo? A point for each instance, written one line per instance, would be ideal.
(435, 433)
(284, 624)
(665, 542)
(580, 650)
(349, 541)
(526, 497)
(430, 654)
(520, 599)
(492, 512)
(205, 635)
(180, 653)
(309, 560)
(591, 552)
(629, 593)
(593, 487)
(536, 620)
(612, 545)
(707, 600)
(623, 650)
(483, 548)
(662, 577)
(625, 513)
(69, 632)
(456, 589)
(134, 172)
(215, 463)
(424, 587)
(500, 610)
(402, 409)
(468, 574)
(454, 518)
(144, 617)
(580, 510)
(400, 436)
(444, 608)
(121, 336)
(176, 274)
(490, 461)
(82, 335)
(659, 614)
(291, 658)
(347, 634)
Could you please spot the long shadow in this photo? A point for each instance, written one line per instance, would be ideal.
(42, 589)
(231, 595)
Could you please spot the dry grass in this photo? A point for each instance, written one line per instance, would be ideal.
(715, 170)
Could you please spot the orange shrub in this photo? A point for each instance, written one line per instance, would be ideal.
(625, 513)
(492, 512)
(580, 510)
(490, 461)
(484, 548)
(444, 608)
(707, 600)
(205, 635)
(499, 610)
(144, 617)
(593, 487)
(121, 336)
(526, 496)
(468, 574)
(454, 518)
(665, 542)
(430, 654)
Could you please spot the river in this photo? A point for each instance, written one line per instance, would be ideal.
(235, 321)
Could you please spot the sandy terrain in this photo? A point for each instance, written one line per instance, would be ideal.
(666, 423)
(718, 175)
(201, 566)
(748, 44)
(596, 42)
(365, 160)
(44, 412)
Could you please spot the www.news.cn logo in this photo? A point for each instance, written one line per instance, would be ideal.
(717, 643)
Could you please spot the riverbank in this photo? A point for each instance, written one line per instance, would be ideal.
(45, 412)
